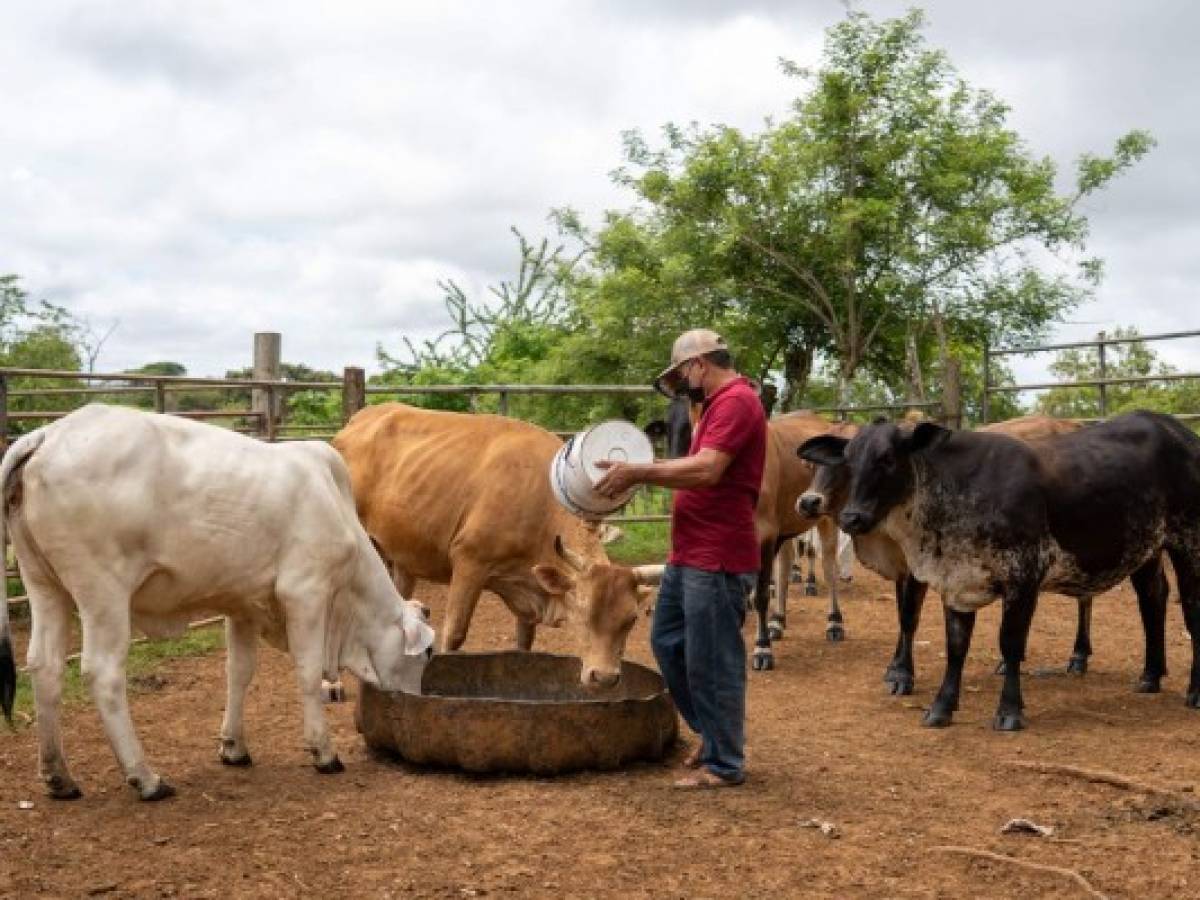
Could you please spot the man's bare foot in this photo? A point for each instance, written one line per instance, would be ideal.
(705, 779)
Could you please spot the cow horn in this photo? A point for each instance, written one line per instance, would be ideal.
(576, 562)
(648, 574)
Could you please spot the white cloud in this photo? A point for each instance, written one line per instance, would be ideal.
(201, 170)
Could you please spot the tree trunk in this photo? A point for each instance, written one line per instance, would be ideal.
(797, 367)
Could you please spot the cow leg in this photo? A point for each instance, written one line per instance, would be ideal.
(1150, 582)
(959, 626)
(466, 584)
(810, 557)
(1078, 663)
(834, 630)
(526, 630)
(763, 659)
(106, 633)
(1187, 579)
(783, 579)
(1019, 605)
(901, 671)
(46, 661)
(241, 642)
(306, 639)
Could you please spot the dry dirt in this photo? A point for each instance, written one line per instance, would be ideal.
(825, 742)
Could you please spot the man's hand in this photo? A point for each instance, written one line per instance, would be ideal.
(618, 478)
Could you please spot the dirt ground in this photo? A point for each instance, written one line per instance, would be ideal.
(825, 741)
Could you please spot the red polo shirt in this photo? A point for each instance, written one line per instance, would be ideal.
(712, 528)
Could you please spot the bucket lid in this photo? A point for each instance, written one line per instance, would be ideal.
(614, 440)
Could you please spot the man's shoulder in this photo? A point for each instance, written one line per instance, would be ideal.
(742, 396)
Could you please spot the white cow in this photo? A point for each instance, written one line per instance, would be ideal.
(147, 521)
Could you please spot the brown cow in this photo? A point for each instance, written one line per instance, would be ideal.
(466, 499)
(778, 520)
(828, 494)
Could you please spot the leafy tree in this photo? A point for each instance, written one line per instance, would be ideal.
(36, 336)
(894, 208)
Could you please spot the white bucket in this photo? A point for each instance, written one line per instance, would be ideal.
(573, 471)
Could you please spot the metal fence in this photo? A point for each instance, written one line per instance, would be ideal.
(1101, 384)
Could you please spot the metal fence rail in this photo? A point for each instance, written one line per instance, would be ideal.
(1102, 383)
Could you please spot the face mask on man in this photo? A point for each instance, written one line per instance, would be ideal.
(694, 394)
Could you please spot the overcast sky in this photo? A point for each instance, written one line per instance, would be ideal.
(200, 171)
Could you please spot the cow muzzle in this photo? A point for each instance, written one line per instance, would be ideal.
(853, 521)
(811, 505)
(600, 678)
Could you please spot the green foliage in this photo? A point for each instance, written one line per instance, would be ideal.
(892, 209)
(639, 544)
(36, 336)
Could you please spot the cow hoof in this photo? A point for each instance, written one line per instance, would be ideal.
(333, 767)
(1148, 685)
(901, 685)
(1077, 664)
(160, 791)
(937, 717)
(1193, 699)
(59, 788)
(240, 762)
(775, 631)
(1001, 668)
(835, 632)
(1008, 722)
(763, 661)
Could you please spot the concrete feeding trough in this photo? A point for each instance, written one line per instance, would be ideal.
(520, 712)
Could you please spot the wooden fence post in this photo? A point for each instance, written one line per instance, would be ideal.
(3, 413)
(354, 391)
(266, 368)
(952, 411)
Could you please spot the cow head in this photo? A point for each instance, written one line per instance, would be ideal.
(392, 656)
(830, 486)
(604, 600)
(877, 464)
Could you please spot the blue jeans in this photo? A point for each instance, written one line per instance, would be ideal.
(697, 640)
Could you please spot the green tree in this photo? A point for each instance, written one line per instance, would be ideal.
(891, 215)
(36, 336)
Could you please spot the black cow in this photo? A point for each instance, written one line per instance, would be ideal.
(982, 517)
(675, 430)
(827, 496)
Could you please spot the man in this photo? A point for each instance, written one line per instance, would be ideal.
(696, 635)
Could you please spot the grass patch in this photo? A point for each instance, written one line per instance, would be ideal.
(644, 543)
(143, 660)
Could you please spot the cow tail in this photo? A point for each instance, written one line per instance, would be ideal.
(10, 478)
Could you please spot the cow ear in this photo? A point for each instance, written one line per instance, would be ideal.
(926, 436)
(824, 450)
(553, 580)
(418, 636)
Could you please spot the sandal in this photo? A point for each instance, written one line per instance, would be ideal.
(706, 779)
